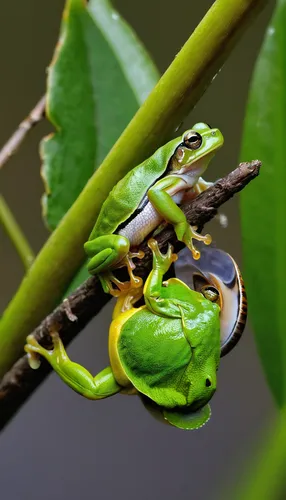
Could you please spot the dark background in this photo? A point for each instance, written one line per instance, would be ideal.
(65, 447)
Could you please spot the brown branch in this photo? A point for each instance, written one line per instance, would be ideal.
(70, 317)
(12, 145)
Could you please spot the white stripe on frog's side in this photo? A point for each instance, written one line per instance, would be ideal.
(148, 219)
(141, 225)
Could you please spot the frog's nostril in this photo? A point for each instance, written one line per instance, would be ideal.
(208, 382)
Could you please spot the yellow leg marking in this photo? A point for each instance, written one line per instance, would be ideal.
(126, 300)
(114, 333)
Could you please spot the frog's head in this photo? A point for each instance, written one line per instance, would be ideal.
(197, 148)
(197, 412)
(203, 385)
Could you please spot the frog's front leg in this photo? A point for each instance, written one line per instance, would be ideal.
(160, 195)
(74, 375)
(202, 186)
(153, 295)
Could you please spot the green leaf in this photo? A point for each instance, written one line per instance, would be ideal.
(99, 76)
(263, 205)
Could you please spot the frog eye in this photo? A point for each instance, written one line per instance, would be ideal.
(210, 293)
(193, 140)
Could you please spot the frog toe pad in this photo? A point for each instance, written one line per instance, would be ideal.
(33, 350)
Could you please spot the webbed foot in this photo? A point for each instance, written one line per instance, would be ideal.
(187, 233)
(34, 349)
(135, 281)
(161, 261)
(126, 301)
(108, 278)
(107, 281)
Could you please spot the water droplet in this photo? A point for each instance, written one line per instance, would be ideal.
(178, 127)
(114, 16)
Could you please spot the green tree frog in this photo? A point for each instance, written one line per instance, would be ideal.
(147, 197)
(167, 350)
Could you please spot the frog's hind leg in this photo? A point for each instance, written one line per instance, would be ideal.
(107, 279)
(76, 376)
(106, 252)
(135, 281)
(112, 252)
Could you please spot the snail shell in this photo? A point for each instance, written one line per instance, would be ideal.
(217, 268)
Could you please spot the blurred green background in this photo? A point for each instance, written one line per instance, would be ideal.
(60, 445)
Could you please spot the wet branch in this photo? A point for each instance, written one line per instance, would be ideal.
(70, 317)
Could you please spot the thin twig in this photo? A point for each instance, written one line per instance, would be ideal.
(16, 235)
(74, 313)
(12, 145)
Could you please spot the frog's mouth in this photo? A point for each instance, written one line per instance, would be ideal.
(182, 418)
(186, 419)
(198, 167)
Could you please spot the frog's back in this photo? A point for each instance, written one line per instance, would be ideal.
(126, 196)
(166, 360)
(155, 358)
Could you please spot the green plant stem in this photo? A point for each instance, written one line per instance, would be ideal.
(265, 477)
(15, 234)
(168, 104)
